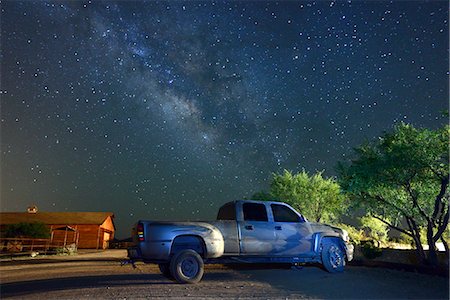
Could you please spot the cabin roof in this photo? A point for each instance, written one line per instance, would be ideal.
(56, 218)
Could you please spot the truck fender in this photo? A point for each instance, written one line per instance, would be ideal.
(211, 246)
(184, 242)
(318, 237)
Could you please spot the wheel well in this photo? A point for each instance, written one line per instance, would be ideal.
(330, 239)
(192, 242)
(319, 239)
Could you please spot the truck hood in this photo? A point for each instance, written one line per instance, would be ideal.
(320, 227)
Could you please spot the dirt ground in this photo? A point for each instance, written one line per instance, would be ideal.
(100, 276)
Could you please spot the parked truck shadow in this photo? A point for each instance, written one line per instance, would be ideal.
(23, 288)
(35, 286)
(354, 283)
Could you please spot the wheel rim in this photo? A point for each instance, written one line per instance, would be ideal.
(189, 267)
(336, 258)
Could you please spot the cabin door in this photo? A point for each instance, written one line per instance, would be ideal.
(257, 236)
(106, 237)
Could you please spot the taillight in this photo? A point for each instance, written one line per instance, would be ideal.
(140, 232)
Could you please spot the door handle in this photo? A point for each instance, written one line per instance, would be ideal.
(249, 227)
(278, 228)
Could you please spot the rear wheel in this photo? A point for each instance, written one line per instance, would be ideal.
(333, 257)
(187, 266)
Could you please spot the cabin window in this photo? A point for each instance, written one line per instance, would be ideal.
(254, 212)
(283, 213)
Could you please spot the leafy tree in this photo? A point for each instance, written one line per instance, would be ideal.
(402, 179)
(315, 197)
(31, 230)
(263, 196)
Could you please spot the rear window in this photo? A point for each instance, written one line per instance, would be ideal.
(227, 212)
(254, 212)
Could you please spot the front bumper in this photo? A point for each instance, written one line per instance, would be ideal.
(349, 248)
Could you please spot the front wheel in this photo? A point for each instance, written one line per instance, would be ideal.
(187, 266)
(333, 258)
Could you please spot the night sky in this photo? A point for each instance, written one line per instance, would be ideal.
(167, 110)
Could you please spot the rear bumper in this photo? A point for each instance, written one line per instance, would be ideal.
(134, 253)
(152, 252)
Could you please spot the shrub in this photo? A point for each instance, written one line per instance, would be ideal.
(370, 250)
(355, 235)
(407, 240)
(375, 230)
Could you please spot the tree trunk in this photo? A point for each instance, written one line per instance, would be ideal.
(419, 250)
(432, 255)
(445, 246)
(416, 237)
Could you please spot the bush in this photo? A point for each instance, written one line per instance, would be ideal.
(355, 235)
(407, 240)
(370, 250)
(30, 230)
(375, 230)
(70, 249)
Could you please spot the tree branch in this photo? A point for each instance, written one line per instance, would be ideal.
(442, 214)
(437, 173)
(415, 202)
(393, 226)
(438, 201)
(381, 199)
(415, 231)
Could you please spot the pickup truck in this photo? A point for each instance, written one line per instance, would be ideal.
(245, 231)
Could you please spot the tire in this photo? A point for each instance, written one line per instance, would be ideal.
(165, 270)
(187, 267)
(333, 257)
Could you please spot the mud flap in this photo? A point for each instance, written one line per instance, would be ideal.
(128, 262)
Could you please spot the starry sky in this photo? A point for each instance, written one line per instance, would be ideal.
(167, 110)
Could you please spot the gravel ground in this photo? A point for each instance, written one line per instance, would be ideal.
(94, 275)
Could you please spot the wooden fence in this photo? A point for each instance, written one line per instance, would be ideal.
(28, 245)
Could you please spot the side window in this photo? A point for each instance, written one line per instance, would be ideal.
(227, 212)
(283, 213)
(254, 212)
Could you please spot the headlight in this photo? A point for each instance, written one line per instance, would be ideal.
(345, 236)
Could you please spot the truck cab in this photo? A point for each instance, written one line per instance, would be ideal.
(265, 228)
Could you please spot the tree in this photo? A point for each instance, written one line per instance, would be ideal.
(263, 196)
(402, 180)
(30, 230)
(315, 197)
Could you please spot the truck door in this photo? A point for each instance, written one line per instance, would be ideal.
(257, 234)
(293, 236)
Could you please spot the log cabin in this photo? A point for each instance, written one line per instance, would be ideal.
(88, 230)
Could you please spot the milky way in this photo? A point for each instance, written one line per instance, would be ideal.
(169, 109)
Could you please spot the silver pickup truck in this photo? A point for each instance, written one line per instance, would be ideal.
(245, 231)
